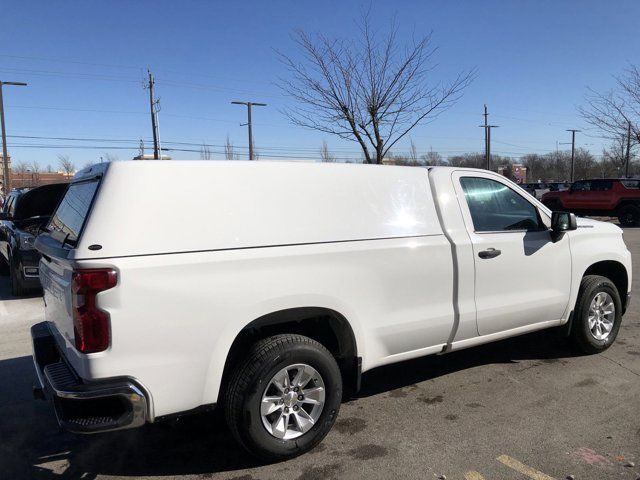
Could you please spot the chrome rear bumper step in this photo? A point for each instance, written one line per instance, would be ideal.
(80, 406)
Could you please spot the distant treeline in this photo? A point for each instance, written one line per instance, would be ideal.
(549, 166)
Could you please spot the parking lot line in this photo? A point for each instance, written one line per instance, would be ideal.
(522, 468)
(473, 476)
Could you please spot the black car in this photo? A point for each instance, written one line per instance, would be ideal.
(24, 212)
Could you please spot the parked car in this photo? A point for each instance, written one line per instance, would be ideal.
(267, 288)
(536, 189)
(558, 186)
(601, 197)
(24, 212)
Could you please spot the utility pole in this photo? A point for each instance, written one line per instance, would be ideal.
(573, 150)
(487, 139)
(248, 124)
(153, 105)
(628, 160)
(6, 171)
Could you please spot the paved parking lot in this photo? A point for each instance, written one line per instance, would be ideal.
(526, 408)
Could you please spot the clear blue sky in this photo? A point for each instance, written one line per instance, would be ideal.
(85, 61)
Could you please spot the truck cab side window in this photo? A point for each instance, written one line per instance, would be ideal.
(601, 185)
(581, 187)
(494, 207)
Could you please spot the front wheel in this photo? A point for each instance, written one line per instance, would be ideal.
(597, 316)
(284, 398)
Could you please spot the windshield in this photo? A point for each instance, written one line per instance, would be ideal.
(68, 220)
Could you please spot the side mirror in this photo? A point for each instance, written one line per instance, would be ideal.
(562, 222)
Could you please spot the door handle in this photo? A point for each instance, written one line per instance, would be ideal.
(489, 253)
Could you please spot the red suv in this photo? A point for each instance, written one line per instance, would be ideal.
(603, 197)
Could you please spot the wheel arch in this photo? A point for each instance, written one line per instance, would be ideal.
(327, 326)
(624, 202)
(614, 271)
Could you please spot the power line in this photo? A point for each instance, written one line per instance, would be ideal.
(78, 76)
(22, 57)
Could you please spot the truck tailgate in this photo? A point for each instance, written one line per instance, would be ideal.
(56, 285)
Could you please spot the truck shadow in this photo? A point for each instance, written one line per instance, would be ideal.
(33, 447)
(546, 346)
(5, 291)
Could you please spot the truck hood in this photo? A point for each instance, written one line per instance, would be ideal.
(585, 224)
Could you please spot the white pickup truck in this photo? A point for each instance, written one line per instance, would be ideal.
(268, 288)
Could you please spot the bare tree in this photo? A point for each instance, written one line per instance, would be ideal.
(20, 167)
(374, 91)
(110, 157)
(432, 158)
(35, 172)
(616, 153)
(614, 111)
(205, 152)
(473, 160)
(48, 168)
(585, 164)
(229, 153)
(66, 165)
(325, 154)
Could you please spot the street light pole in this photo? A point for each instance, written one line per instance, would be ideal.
(248, 124)
(6, 172)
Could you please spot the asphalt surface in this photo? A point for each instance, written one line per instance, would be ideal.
(524, 408)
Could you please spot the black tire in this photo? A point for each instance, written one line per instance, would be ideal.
(581, 335)
(4, 267)
(244, 390)
(629, 216)
(15, 280)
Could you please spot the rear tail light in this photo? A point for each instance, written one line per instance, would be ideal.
(90, 324)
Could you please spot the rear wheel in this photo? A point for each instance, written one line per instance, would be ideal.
(4, 266)
(597, 316)
(629, 216)
(284, 398)
(15, 279)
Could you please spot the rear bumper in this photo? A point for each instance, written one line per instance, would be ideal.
(80, 406)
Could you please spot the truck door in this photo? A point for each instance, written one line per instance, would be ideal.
(579, 196)
(601, 197)
(521, 276)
